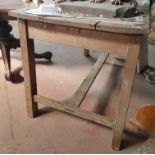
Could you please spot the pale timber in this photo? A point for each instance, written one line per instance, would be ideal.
(90, 34)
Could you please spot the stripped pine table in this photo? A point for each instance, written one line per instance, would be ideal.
(116, 37)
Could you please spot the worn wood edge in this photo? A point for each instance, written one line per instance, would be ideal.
(88, 81)
(99, 119)
(87, 23)
(138, 29)
(120, 29)
(20, 14)
(73, 22)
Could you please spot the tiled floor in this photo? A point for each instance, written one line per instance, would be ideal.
(56, 132)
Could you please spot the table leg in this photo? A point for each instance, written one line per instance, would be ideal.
(8, 41)
(27, 46)
(86, 52)
(127, 83)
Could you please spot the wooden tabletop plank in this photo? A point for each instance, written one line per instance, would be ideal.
(65, 21)
(126, 28)
(87, 23)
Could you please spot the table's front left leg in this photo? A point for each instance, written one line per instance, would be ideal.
(27, 48)
(127, 83)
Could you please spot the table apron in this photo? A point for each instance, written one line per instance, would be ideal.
(113, 43)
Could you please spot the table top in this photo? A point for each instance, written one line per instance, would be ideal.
(115, 25)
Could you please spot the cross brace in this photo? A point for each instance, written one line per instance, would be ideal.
(71, 106)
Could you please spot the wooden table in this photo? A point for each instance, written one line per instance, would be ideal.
(95, 34)
(7, 40)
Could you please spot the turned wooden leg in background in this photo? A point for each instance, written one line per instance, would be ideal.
(7, 42)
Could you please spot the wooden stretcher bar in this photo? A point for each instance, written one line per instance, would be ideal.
(71, 106)
(86, 84)
(74, 111)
